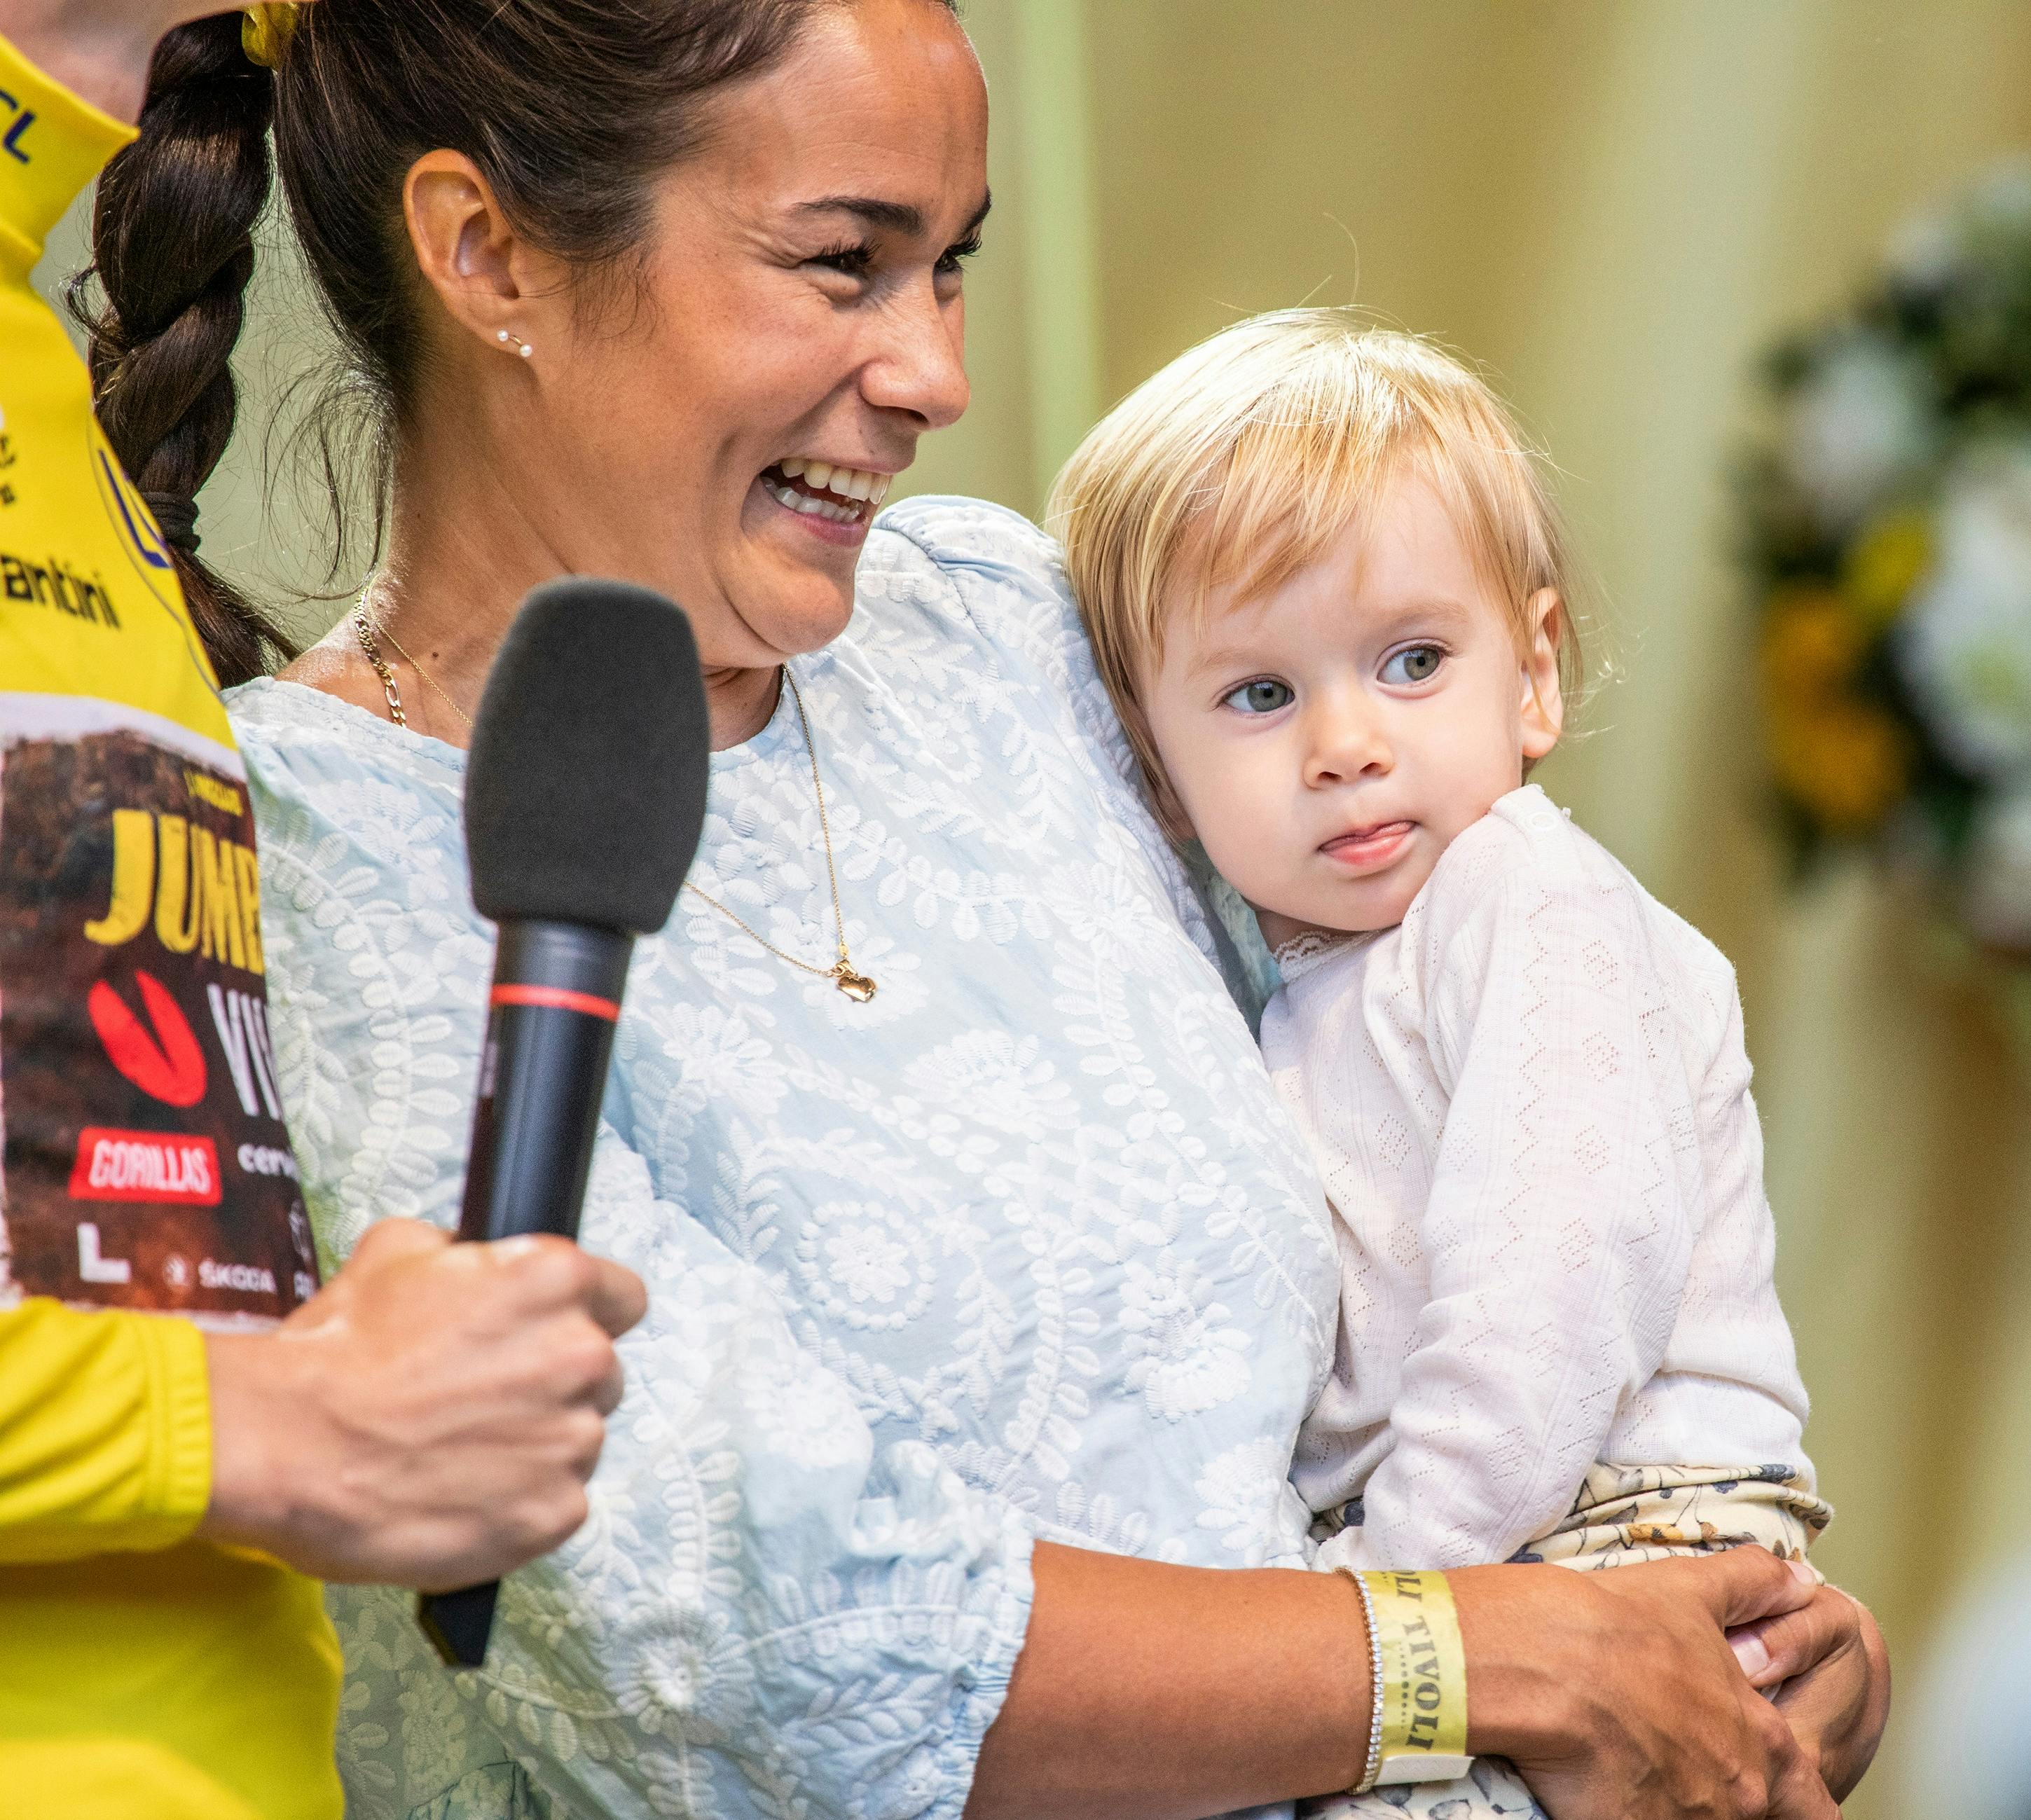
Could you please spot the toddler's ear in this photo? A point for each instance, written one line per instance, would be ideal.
(1544, 695)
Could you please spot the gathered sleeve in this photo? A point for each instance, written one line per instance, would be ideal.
(766, 1613)
(1559, 1228)
(765, 1608)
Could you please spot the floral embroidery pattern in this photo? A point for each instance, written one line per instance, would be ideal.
(1026, 1248)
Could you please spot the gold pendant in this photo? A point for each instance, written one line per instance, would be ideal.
(856, 986)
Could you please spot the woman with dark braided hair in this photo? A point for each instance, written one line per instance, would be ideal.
(989, 1284)
(189, 1426)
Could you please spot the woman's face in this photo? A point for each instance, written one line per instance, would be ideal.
(803, 307)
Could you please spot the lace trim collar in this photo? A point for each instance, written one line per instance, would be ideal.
(1302, 953)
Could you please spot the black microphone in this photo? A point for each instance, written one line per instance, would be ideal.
(584, 797)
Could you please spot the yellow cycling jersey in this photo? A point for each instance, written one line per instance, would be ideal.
(144, 1170)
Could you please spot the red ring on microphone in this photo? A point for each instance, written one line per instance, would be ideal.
(557, 999)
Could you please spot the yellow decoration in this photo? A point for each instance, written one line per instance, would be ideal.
(265, 32)
(1845, 763)
(1885, 565)
(1812, 643)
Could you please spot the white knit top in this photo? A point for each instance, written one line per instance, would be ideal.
(1530, 1105)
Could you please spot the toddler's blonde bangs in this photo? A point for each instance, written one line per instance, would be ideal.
(1248, 458)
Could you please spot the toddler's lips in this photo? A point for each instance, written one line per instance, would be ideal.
(1368, 849)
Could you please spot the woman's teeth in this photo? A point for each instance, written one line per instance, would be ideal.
(847, 482)
(843, 494)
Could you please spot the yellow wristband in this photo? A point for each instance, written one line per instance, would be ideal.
(1423, 1686)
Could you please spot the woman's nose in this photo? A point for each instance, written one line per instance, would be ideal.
(921, 366)
(1346, 742)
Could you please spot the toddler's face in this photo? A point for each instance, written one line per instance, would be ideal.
(1327, 741)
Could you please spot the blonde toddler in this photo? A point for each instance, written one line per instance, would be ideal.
(1329, 593)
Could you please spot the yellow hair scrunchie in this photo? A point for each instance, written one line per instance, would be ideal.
(265, 33)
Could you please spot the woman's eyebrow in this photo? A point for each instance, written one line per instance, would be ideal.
(894, 217)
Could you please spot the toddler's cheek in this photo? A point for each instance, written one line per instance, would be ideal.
(1250, 859)
(1232, 816)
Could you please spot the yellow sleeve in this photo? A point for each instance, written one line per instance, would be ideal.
(104, 1432)
(111, 1778)
(52, 144)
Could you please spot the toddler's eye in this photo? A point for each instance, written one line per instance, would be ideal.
(1420, 663)
(1263, 696)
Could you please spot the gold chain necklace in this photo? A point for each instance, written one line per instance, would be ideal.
(842, 972)
(370, 643)
(856, 985)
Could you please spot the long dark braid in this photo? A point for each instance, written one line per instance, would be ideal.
(173, 249)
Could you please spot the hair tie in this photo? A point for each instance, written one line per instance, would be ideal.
(176, 518)
(265, 32)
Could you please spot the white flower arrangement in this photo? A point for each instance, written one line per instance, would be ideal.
(1889, 518)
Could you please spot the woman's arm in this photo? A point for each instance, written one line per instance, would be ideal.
(766, 1609)
(1146, 1689)
(764, 1597)
(1168, 1692)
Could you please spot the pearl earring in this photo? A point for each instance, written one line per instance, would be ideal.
(520, 346)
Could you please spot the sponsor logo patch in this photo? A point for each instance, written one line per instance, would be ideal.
(171, 1069)
(152, 1166)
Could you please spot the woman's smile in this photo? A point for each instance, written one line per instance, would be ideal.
(834, 503)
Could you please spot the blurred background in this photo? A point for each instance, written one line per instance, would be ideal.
(1617, 206)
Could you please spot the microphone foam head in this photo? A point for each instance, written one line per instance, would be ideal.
(585, 790)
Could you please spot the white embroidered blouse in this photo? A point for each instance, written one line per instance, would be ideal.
(1531, 1104)
(1025, 1247)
